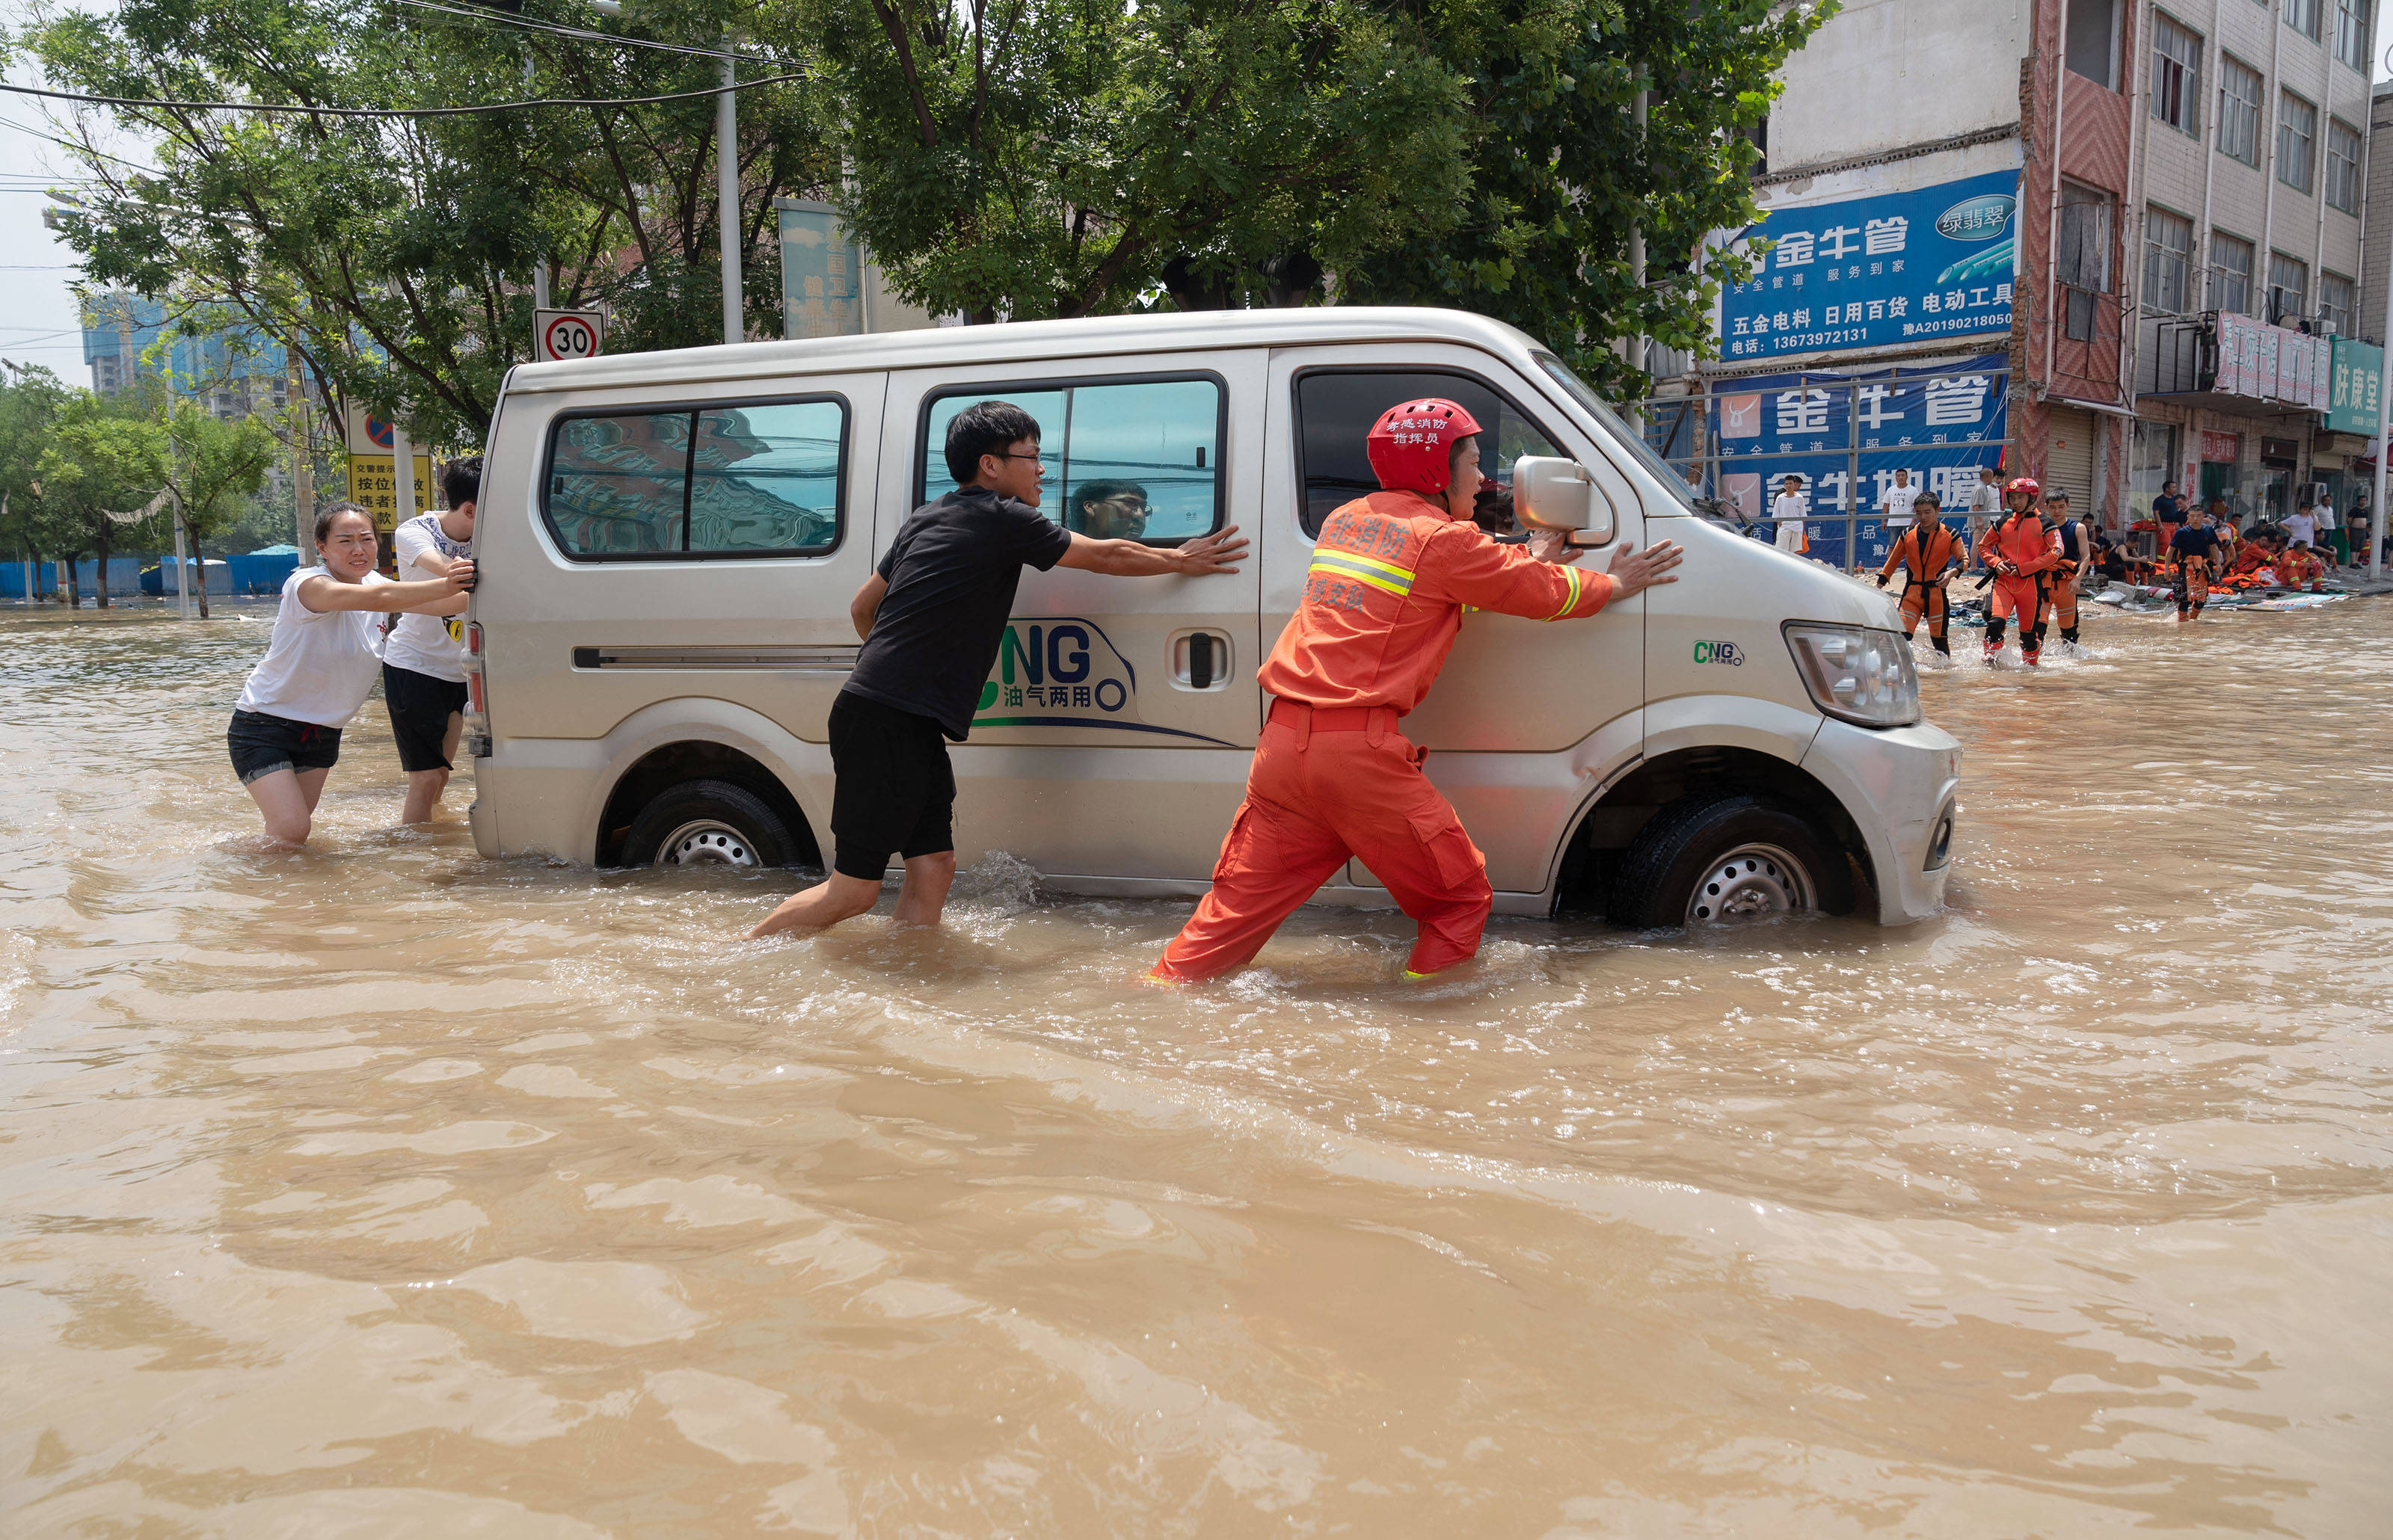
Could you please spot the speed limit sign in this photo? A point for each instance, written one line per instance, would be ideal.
(568, 334)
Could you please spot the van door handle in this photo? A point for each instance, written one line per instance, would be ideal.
(1200, 659)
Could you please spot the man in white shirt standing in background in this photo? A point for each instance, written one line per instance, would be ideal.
(1788, 510)
(1985, 502)
(424, 661)
(2301, 528)
(1894, 503)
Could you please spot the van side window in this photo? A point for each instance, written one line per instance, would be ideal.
(1335, 409)
(1126, 458)
(752, 479)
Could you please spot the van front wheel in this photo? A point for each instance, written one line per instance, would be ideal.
(1710, 860)
(708, 823)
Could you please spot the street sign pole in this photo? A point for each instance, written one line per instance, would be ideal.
(402, 477)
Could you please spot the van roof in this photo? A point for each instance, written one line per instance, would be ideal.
(1027, 341)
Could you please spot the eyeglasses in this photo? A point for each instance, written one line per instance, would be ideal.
(1009, 454)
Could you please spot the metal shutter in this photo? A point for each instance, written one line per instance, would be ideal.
(2068, 458)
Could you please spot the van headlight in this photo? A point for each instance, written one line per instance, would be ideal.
(1856, 674)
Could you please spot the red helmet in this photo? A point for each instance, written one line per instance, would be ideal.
(1412, 445)
(2027, 484)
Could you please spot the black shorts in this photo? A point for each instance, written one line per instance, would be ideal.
(420, 709)
(262, 744)
(895, 790)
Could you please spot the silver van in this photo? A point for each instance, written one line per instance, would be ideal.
(669, 542)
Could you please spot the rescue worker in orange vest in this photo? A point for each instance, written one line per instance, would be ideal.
(2018, 552)
(1333, 775)
(2061, 593)
(1927, 552)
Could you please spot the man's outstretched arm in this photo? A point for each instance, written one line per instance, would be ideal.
(1128, 558)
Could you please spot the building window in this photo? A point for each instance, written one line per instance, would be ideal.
(2168, 246)
(2341, 165)
(2093, 40)
(2176, 76)
(2296, 140)
(2351, 34)
(2081, 257)
(2289, 289)
(2230, 274)
(2336, 303)
(2303, 17)
(2238, 111)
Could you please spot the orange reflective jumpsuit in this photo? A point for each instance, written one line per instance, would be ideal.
(1924, 552)
(1333, 776)
(2061, 596)
(2020, 551)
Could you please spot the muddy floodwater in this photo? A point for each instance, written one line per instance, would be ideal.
(380, 1190)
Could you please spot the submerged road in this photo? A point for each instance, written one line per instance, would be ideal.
(380, 1190)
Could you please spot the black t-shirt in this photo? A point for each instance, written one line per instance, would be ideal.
(2195, 540)
(2165, 510)
(951, 573)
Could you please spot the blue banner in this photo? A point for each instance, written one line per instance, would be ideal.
(1890, 268)
(1940, 424)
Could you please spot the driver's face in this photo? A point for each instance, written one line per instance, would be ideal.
(1121, 516)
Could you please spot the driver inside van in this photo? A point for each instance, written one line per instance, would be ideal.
(931, 615)
(1333, 778)
(1109, 510)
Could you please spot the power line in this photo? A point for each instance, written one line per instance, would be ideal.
(400, 111)
(583, 34)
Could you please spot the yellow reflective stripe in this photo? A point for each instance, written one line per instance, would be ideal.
(1379, 575)
(1358, 559)
(1571, 575)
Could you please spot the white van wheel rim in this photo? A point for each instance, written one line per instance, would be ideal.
(1749, 881)
(707, 843)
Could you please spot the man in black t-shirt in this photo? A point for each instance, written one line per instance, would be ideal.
(931, 615)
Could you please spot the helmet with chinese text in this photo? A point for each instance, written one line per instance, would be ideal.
(2027, 484)
(1411, 446)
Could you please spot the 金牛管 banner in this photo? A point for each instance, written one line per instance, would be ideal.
(1890, 268)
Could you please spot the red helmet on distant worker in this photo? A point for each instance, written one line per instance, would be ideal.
(1412, 445)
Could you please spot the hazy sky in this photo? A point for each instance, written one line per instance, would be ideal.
(37, 318)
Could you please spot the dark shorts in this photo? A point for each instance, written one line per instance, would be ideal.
(895, 790)
(420, 709)
(262, 744)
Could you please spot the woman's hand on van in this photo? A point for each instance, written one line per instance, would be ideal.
(1632, 569)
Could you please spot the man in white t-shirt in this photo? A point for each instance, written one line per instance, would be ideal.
(1787, 511)
(1985, 502)
(2302, 526)
(424, 661)
(1894, 503)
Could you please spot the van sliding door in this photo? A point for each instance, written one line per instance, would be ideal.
(1118, 716)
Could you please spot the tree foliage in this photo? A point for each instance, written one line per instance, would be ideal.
(216, 467)
(105, 455)
(396, 255)
(1002, 159)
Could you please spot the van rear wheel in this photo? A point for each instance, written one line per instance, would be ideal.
(1713, 860)
(708, 823)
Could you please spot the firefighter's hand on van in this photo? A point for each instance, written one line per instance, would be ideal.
(1553, 546)
(1632, 569)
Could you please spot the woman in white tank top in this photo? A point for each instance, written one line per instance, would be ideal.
(321, 661)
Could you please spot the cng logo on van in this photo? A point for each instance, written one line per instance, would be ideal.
(1065, 671)
(1720, 652)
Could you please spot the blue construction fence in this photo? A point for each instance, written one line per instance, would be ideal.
(252, 574)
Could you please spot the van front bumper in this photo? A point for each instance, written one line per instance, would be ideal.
(1902, 784)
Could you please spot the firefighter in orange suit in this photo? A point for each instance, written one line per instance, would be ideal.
(2061, 585)
(2018, 553)
(1927, 552)
(1333, 775)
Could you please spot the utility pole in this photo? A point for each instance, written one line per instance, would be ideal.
(727, 182)
(303, 460)
(1637, 344)
(402, 475)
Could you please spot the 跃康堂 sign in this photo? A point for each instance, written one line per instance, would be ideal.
(1890, 268)
(2355, 397)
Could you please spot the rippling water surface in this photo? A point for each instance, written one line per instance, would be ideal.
(381, 1189)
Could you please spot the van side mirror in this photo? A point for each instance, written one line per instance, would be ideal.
(1550, 493)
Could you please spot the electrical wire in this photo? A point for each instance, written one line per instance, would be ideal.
(399, 111)
(585, 33)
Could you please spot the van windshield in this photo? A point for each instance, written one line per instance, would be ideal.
(1664, 472)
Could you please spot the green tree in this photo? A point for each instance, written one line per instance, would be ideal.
(1561, 174)
(30, 403)
(395, 256)
(1036, 158)
(218, 467)
(106, 460)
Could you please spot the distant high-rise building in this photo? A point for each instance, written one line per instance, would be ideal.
(232, 374)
